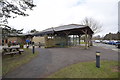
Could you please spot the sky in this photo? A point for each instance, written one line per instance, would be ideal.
(53, 13)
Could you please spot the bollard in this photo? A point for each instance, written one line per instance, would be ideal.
(33, 49)
(97, 59)
(39, 44)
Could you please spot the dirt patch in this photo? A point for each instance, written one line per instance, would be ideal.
(116, 69)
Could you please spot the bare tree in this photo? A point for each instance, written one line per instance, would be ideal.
(11, 9)
(93, 24)
(8, 8)
(34, 31)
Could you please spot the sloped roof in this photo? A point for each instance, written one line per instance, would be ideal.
(69, 27)
(64, 27)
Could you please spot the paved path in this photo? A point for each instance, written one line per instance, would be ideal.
(52, 59)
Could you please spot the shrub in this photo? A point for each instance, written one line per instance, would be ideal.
(21, 45)
(9, 44)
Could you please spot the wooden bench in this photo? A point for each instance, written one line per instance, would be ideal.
(11, 53)
(20, 51)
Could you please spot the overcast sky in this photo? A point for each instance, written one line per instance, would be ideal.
(53, 13)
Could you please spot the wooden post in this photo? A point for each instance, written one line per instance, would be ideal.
(76, 39)
(66, 40)
(73, 40)
(86, 40)
(79, 39)
(91, 44)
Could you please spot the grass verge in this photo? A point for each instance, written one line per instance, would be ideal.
(82, 42)
(10, 63)
(88, 70)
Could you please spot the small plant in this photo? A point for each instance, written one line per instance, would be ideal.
(21, 46)
(9, 44)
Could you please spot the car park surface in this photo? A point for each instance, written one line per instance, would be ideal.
(51, 60)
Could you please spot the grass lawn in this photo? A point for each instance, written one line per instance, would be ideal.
(10, 63)
(78, 42)
(0, 65)
(88, 70)
(82, 42)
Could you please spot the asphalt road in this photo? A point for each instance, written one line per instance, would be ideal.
(53, 59)
(106, 46)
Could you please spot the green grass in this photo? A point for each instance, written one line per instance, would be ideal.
(88, 70)
(0, 65)
(78, 42)
(10, 63)
(82, 42)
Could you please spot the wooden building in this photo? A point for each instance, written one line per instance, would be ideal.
(61, 36)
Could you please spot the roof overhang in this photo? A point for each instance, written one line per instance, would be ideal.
(71, 29)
